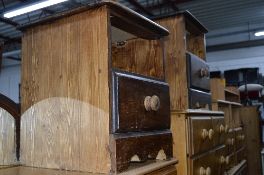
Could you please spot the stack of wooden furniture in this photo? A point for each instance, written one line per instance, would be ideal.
(226, 99)
(198, 132)
(83, 108)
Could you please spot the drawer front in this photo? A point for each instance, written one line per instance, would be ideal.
(201, 134)
(239, 138)
(232, 161)
(230, 141)
(139, 147)
(139, 103)
(198, 73)
(203, 165)
(219, 130)
(221, 160)
(199, 99)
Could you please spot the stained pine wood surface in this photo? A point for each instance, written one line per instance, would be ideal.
(7, 139)
(175, 63)
(145, 57)
(65, 94)
(250, 119)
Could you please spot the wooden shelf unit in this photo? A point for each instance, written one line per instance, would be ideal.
(80, 85)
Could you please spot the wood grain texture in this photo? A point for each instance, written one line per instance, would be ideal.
(7, 139)
(196, 44)
(68, 59)
(217, 89)
(130, 115)
(250, 119)
(175, 63)
(180, 142)
(145, 57)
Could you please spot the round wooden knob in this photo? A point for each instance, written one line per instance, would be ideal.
(197, 105)
(226, 128)
(155, 103)
(222, 159)
(147, 103)
(232, 141)
(222, 129)
(205, 134)
(208, 171)
(202, 171)
(241, 137)
(204, 72)
(227, 160)
(211, 134)
(152, 103)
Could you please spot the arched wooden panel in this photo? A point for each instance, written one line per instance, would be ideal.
(13, 109)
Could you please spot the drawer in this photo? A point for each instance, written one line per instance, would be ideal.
(199, 99)
(221, 160)
(201, 134)
(232, 161)
(203, 165)
(139, 147)
(219, 130)
(198, 73)
(139, 103)
(230, 141)
(241, 155)
(239, 138)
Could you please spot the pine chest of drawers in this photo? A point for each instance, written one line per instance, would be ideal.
(200, 136)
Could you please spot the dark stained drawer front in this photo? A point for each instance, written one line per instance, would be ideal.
(239, 138)
(199, 99)
(221, 160)
(140, 147)
(139, 103)
(203, 165)
(201, 134)
(230, 141)
(241, 154)
(198, 73)
(219, 130)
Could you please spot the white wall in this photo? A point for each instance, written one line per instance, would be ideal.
(10, 79)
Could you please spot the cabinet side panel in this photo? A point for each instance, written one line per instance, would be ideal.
(180, 142)
(65, 93)
(250, 120)
(175, 62)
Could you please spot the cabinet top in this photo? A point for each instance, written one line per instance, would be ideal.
(121, 17)
(189, 19)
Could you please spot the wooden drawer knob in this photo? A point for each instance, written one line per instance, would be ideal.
(230, 141)
(227, 160)
(222, 129)
(152, 103)
(241, 137)
(206, 171)
(224, 160)
(204, 72)
(226, 128)
(211, 134)
(204, 134)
